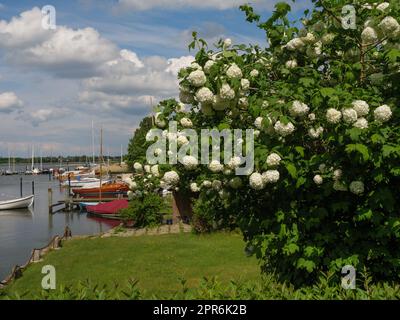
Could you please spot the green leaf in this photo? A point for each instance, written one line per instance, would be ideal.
(291, 248)
(292, 170)
(300, 151)
(327, 92)
(360, 148)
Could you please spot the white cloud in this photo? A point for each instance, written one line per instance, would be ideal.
(64, 52)
(176, 64)
(9, 102)
(44, 115)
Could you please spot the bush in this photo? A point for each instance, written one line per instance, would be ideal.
(145, 210)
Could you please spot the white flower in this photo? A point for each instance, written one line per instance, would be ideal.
(226, 92)
(189, 162)
(273, 160)
(256, 133)
(270, 176)
(206, 184)
(383, 6)
(171, 178)
(309, 38)
(328, 38)
(159, 123)
(185, 97)
(298, 109)
(382, 113)
(154, 171)
(194, 187)
(254, 73)
(349, 115)
(322, 167)
(208, 65)
(290, 64)
(294, 44)
(318, 48)
(315, 133)
(311, 117)
(361, 107)
(138, 167)
(181, 107)
(215, 166)
(284, 129)
(337, 174)
(182, 140)
(389, 26)
(245, 84)
(318, 179)
(333, 115)
(227, 172)
(204, 95)
(195, 65)
(339, 186)
(147, 168)
(369, 35)
(256, 181)
(216, 185)
(207, 109)
(361, 123)
(234, 72)
(357, 187)
(186, 122)
(157, 152)
(234, 162)
(197, 78)
(227, 43)
(258, 122)
(235, 183)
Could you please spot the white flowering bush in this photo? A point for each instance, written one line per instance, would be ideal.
(324, 102)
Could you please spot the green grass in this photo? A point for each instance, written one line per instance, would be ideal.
(157, 262)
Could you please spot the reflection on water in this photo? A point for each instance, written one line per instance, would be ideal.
(24, 229)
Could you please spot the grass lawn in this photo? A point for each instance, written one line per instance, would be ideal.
(158, 262)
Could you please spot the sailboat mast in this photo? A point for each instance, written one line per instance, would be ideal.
(9, 159)
(93, 142)
(121, 155)
(101, 161)
(33, 157)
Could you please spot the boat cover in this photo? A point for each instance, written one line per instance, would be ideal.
(109, 207)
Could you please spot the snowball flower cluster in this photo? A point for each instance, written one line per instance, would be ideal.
(357, 187)
(215, 166)
(337, 174)
(315, 133)
(383, 6)
(234, 72)
(290, 64)
(361, 107)
(234, 162)
(182, 140)
(227, 43)
(333, 115)
(312, 117)
(284, 129)
(159, 123)
(226, 92)
(294, 44)
(270, 176)
(147, 168)
(369, 35)
(138, 167)
(206, 184)
(245, 84)
(186, 122)
(382, 113)
(189, 162)
(361, 123)
(258, 122)
(309, 38)
(349, 115)
(204, 95)
(299, 109)
(208, 65)
(273, 160)
(171, 178)
(256, 181)
(197, 78)
(389, 26)
(254, 73)
(194, 187)
(154, 171)
(318, 179)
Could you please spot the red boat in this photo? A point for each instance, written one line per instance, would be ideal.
(112, 207)
(112, 190)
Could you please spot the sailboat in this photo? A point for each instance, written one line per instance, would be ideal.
(8, 171)
(20, 203)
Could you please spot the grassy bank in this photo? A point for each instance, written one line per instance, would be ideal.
(157, 262)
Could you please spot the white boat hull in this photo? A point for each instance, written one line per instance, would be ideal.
(20, 203)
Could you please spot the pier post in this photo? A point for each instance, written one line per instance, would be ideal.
(50, 194)
(33, 187)
(20, 186)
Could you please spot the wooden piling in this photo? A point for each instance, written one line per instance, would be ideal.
(20, 186)
(50, 199)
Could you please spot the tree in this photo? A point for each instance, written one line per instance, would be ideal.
(137, 144)
(323, 101)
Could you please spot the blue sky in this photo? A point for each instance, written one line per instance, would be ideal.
(105, 62)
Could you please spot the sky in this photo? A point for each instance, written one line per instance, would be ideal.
(106, 61)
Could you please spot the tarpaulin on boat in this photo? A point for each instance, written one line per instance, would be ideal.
(112, 207)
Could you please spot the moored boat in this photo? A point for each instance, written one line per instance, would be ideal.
(112, 207)
(111, 190)
(20, 203)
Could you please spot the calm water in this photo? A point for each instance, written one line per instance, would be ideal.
(23, 230)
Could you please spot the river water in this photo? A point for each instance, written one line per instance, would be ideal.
(23, 230)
